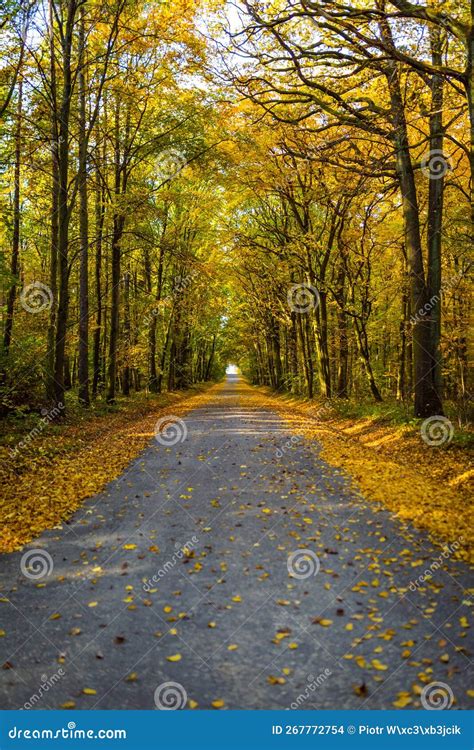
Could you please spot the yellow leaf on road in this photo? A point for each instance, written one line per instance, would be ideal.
(275, 680)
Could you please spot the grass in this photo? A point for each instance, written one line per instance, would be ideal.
(388, 413)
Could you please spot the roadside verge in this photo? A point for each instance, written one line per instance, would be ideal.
(45, 481)
(426, 486)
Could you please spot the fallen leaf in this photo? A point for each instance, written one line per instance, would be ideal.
(322, 621)
(404, 699)
(360, 690)
(275, 680)
(174, 657)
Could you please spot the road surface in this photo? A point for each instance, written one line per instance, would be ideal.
(238, 565)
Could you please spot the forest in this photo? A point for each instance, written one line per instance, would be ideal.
(285, 185)
(236, 331)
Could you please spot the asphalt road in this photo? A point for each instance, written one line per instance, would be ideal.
(292, 590)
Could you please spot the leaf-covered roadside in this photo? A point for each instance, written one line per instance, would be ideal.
(392, 466)
(44, 483)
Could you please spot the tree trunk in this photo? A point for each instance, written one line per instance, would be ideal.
(153, 375)
(163, 357)
(321, 339)
(293, 354)
(115, 303)
(207, 374)
(67, 373)
(99, 228)
(363, 348)
(306, 356)
(53, 269)
(172, 367)
(126, 333)
(15, 255)
(117, 232)
(426, 399)
(63, 206)
(435, 208)
(402, 351)
(276, 354)
(341, 319)
(83, 363)
(470, 98)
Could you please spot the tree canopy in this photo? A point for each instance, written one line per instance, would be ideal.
(287, 186)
